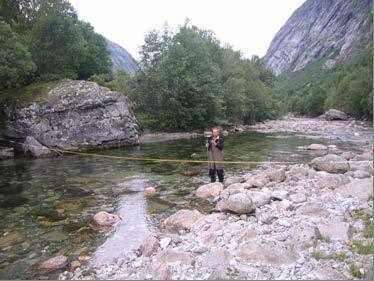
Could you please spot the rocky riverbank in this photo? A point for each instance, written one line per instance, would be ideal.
(275, 222)
(360, 132)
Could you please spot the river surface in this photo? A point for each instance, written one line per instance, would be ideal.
(47, 204)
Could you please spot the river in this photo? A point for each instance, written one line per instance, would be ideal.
(47, 204)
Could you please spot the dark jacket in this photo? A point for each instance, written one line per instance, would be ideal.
(219, 142)
(215, 154)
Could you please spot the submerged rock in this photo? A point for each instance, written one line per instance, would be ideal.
(317, 146)
(6, 152)
(58, 262)
(105, 219)
(71, 115)
(150, 191)
(10, 239)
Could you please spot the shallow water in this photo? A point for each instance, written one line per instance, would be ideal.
(46, 205)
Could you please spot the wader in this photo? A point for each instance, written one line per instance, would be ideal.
(215, 153)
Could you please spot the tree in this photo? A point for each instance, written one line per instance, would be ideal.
(189, 81)
(16, 65)
(97, 58)
(182, 77)
(58, 47)
(61, 46)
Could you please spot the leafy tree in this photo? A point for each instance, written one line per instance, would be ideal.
(188, 81)
(58, 47)
(97, 54)
(61, 46)
(16, 65)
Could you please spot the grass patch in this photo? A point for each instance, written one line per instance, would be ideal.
(26, 95)
(362, 249)
(338, 256)
(318, 255)
(355, 272)
(369, 227)
(325, 238)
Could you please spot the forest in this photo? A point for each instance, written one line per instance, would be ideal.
(187, 79)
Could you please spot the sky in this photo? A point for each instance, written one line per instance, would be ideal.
(247, 25)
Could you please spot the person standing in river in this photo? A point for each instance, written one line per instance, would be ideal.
(214, 146)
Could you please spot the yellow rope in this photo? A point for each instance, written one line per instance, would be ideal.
(171, 160)
(153, 159)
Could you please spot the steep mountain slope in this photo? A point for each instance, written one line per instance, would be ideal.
(338, 29)
(121, 58)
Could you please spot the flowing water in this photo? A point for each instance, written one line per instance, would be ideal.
(47, 204)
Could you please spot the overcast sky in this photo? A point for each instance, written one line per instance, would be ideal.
(247, 25)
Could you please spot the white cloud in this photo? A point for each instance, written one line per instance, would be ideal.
(247, 25)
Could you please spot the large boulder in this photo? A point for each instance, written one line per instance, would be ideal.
(210, 190)
(71, 115)
(334, 114)
(330, 163)
(181, 220)
(240, 203)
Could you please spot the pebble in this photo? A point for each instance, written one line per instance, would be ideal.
(284, 223)
(165, 242)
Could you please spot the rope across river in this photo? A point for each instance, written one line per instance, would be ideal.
(97, 155)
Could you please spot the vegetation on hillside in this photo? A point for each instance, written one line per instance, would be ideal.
(44, 40)
(347, 86)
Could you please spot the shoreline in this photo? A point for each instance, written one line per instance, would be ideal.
(351, 130)
(297, 221)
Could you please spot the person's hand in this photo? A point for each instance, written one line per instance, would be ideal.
(207, 145)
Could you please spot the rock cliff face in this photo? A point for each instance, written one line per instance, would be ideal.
(74, 115)
(121, 59)
(338, 29)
